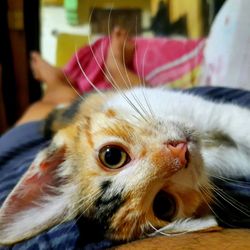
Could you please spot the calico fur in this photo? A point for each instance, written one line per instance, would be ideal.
(174, 143)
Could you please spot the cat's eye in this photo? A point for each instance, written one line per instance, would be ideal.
(164, 206)
(113, 157)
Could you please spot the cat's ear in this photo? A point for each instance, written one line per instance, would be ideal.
(39, 200)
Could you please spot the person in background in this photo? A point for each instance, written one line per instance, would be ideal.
(58, 88)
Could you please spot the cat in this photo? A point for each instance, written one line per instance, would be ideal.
(139, 162)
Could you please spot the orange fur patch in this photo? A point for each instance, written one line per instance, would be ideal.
(126, 224)
(87, 130)
(121, 130)
(143, 152)
(164, 161)
(203, 209)
(110, 113)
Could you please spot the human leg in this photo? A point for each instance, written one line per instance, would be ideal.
(59, 91)
(57, 87)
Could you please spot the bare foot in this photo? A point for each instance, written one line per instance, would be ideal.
(57, 89)
(43, 71)
(121, 51)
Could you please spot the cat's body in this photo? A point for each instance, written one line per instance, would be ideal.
(133, 161)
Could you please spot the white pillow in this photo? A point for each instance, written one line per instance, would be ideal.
(227, 52)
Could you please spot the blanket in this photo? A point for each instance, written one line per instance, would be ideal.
(159, 61)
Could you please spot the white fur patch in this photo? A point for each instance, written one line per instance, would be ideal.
(187, 226)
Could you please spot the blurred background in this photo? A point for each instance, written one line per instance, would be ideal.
(57, 27)
(186, 18)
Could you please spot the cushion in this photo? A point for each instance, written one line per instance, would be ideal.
(226, 55)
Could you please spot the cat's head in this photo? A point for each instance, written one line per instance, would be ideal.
(127, 167)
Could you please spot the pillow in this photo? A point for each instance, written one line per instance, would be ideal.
(226, 54)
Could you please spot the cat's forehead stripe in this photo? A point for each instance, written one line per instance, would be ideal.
(110, 113)
(87, 130)
(143, 151)
(123, 131)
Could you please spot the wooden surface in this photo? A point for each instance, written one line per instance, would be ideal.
(228, 239)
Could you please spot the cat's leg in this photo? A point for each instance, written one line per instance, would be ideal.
(119, 59)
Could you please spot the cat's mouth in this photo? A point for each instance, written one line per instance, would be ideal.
(164, 206)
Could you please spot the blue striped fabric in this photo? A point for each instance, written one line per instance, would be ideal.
(17, 150)
(19, 146)
(221, 94)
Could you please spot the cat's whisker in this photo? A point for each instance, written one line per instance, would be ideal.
(207, 195)
(230, 200)
(136, 117)
(216, 200)
(111, 49)
(143, 79)
(143, 63)
(144, 110)
(136, 99)
(125, 82)
(107, 74)
(118, 90)
(129, 85)
(207, 203)
(152, 227)
(233, 202)
(238, 183)
(90, 82)
(66, 77)
(206, 190)
(143, 76)
(71, 85)
(161, 231)
(128, 100)
(136, 57)
(83, 199)
(212, 210)
(86, 200)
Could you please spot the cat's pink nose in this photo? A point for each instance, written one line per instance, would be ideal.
(178, 150)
